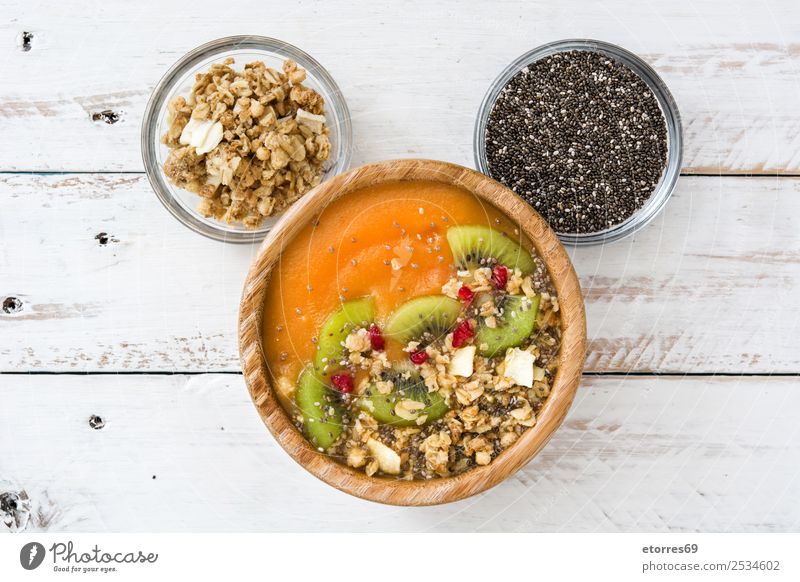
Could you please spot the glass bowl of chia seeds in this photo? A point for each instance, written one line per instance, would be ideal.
(587, 133)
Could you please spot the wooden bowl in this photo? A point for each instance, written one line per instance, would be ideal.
(390, 490)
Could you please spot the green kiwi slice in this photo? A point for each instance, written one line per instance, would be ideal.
(476, 246)
(407, 386)
(321, 407)
(513, 328)
(424, 319)
(352, 314)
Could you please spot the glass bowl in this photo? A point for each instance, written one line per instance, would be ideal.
(179, 81)
(669, 108)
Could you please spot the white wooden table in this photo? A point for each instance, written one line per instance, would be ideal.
(686, 419)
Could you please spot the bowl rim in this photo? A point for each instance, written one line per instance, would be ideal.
(383, 489)
(339, 111)
(666, 101)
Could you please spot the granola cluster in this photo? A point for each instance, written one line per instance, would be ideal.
(250, 143)
(489, 405)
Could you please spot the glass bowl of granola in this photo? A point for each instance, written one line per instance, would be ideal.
(238, 130)
(412, 333)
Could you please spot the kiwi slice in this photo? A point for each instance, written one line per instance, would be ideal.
(476, 246)
(407, 386)
(352, 314)
(512, 329)
(423, 319)
(321, 407)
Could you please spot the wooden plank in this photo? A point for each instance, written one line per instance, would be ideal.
(182, 453)
(710, 286)
(413, 74)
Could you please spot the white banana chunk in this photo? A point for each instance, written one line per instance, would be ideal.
(202, 134)
(462, 361)
(388, 460)
(314, 122)
(518, 366)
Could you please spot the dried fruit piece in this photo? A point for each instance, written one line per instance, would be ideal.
(375, 338)
(518, 366)
(388, 460)
(466, 295)
(462, 362)
(343, 382)
(462, 333)
(499, 277)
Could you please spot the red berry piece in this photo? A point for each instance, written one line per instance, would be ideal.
(375, 338)
(343, 382)
(419, 357)
(466, 295)
(499, 276)
(462, 333)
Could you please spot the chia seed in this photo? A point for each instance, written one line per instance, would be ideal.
(580, 137)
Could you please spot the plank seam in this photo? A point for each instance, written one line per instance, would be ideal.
(141, 173)
(585, 374)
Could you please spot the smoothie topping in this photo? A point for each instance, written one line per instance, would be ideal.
(462, 333)
(248, 142)
(422, 372)
(581, 137)
(462, 362)
(475, 376)
(466, 295)
(343, 382)
(375, 337)
(499, 276)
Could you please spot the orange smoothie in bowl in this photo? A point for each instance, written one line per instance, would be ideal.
(386, 241)
(410, 330)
